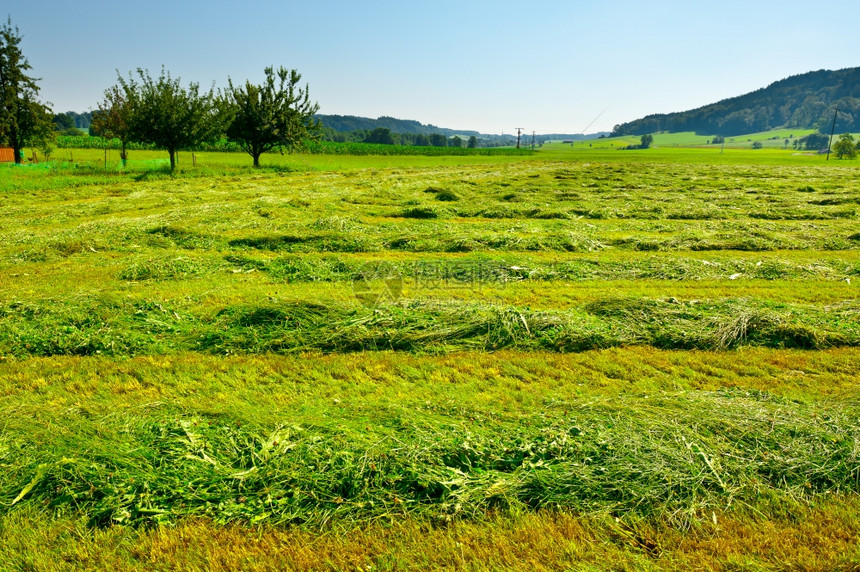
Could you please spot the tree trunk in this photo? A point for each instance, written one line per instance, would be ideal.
(256, 160)
(17, 145)
(172, 159)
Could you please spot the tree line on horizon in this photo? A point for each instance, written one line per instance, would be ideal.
(72, 123)
(384, 136)
(392, 131)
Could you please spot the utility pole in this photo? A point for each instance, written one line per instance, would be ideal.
(519, 132)
(832, 129)
(533, 140)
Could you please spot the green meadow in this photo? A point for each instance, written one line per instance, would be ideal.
(580, 358)
(776, 146)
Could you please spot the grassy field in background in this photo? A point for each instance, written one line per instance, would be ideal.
(579, 359)
(667, 147)
(774, 140)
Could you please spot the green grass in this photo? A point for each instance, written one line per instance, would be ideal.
(292, 440)
(775, 138)
(682, 148)
(474, 347)
(691, 148)
(649, 447)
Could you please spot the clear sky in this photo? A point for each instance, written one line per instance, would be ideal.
(550, 66)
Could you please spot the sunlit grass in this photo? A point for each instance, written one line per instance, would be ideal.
(589, 353)
(824, 537)
(90, 412)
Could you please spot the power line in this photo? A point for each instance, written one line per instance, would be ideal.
(599, 115)
(832, 129)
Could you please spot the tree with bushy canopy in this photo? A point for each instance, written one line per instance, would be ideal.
(814, 141)
(113, 119)
(438, 140)
(380, 136)
(278, 113)
(24, 120)
(165, 114)
(63, 122)
(845, 148)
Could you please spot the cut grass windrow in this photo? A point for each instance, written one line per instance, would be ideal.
(501, 269)
(92, 325)
(672, 455)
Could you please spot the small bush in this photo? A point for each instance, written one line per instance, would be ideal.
(446, 195)
(420, 212)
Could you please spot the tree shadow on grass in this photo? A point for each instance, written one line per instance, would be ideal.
(155, 174)
(276, 169)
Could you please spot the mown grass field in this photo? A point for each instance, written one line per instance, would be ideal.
(579, 359)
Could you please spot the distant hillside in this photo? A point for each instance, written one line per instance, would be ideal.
(351, 124)
(805, 101)
(573, 136)
(348, 123)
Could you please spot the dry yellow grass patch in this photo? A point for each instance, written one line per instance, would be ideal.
(823, 538)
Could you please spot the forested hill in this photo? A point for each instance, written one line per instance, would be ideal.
(348, 123)
(805, 101)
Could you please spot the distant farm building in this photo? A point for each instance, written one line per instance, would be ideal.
(6, 155)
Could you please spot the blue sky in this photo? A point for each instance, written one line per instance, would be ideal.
(548, 66)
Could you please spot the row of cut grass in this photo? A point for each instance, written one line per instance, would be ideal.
(131, 442)
(91, 325)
